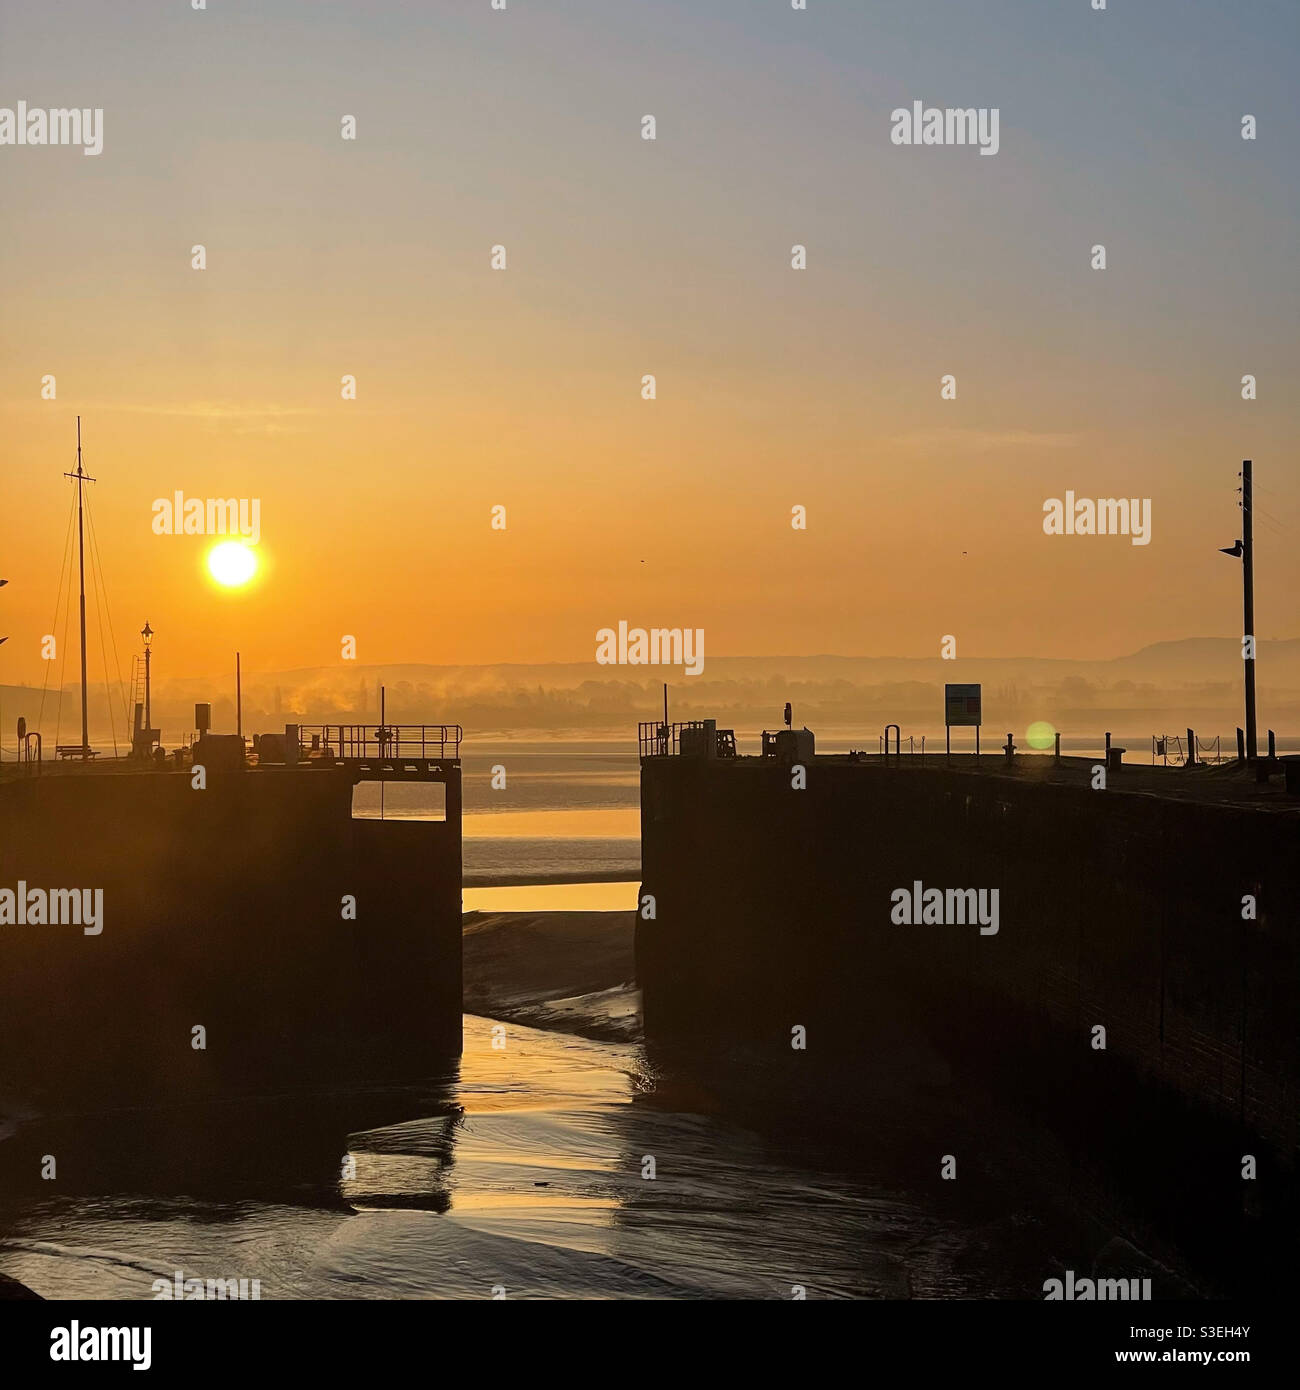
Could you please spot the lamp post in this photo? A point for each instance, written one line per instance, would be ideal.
(147, 633)
(1244, 550)
(3, 582)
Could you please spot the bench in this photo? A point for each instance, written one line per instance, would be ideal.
(74, 750)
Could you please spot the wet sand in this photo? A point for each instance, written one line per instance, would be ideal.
(571, 971)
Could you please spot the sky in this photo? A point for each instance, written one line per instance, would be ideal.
(522, 388)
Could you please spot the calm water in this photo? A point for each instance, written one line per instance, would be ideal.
(616, 896)
(538, 1185)
(567, 811)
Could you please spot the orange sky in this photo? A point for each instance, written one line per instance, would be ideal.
(522, 388)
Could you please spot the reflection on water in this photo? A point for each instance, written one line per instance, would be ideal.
(554, 1167)
(603, 824)
(554, 897)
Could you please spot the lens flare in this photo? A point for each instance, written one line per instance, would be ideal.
(231, 564)
(1040, 734)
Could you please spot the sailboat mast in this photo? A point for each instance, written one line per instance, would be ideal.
(81, 565)
(81, 478)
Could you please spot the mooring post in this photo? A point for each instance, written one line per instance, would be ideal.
(1058, 748)
(1191, 748)
(1272, 745)
(1241, 745)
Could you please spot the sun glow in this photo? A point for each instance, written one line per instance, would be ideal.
(231, 564)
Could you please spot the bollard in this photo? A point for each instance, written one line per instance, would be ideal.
(1058, 749)
(1010, 749)
(1291, 769)
(1241, 745)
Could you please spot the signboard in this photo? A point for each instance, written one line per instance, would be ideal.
(961, 705)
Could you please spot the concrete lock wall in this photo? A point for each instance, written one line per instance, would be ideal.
(223, 908)
(773, 908)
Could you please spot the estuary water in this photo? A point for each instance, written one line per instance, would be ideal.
(550, 1167)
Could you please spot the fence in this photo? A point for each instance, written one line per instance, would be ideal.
(381, 742)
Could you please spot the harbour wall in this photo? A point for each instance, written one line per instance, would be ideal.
(772, 909)
(225, 908)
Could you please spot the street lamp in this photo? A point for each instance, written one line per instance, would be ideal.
(147, 633)
(1244, 550)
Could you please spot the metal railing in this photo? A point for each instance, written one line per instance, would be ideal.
(659, 740)
(883, 748)
(1173, 751)
(380, 742)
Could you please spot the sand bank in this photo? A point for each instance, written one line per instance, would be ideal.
(571, 971)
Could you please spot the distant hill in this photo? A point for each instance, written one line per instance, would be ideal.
(1167, 684)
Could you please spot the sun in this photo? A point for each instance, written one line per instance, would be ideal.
(231, 564)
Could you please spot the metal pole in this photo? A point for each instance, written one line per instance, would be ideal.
(1248, 581)
(239, 700)
(148, 721)
(81, 565)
